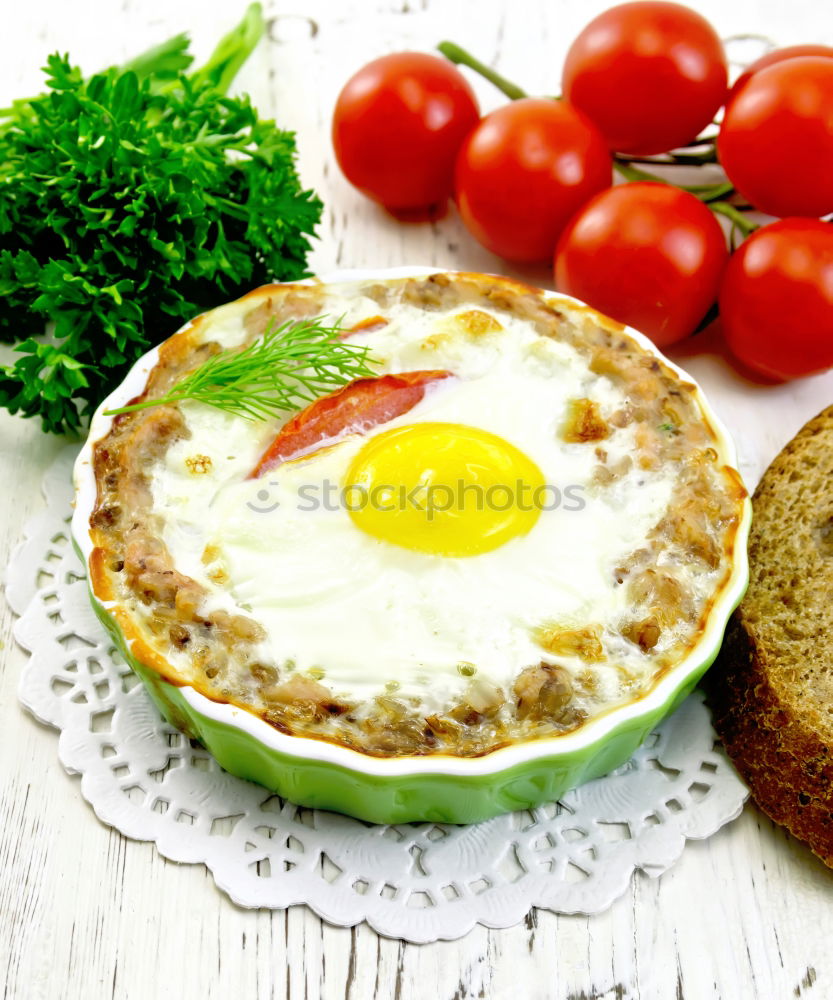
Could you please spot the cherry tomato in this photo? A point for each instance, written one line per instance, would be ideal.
(776, 300)
(646, 254)
(398, 125)
(651, 75)
(776, 140)
(779, 55)
(524, 171)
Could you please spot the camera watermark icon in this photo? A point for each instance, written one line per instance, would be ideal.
(429, 498)
(264, 496)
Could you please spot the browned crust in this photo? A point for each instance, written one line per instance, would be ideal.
(608, 322)
(774, 737)
(585, 422)
(112, 460)
(144, 651)
(100, 580)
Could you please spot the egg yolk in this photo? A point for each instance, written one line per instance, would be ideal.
(444, 488)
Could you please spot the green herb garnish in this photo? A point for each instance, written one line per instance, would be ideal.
(289, 365)
(129, 202)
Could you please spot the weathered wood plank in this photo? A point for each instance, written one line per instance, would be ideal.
(86, 913)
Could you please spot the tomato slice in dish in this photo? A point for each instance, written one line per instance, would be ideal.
(353, 409)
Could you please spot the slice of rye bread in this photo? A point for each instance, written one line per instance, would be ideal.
(771, 689)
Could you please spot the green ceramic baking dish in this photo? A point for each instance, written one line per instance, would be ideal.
(324, 775)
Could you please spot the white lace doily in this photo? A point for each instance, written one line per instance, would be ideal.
(421, 882)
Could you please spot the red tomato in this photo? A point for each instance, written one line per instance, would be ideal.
(776, 301)
(651, 75)
(398, 125)
(356, 407)
(524, 171)
(779, 55)
(776, 140)
(646, 254)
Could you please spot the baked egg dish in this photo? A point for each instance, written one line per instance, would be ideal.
(518, 522)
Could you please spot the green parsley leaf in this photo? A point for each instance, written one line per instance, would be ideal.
(129, 202)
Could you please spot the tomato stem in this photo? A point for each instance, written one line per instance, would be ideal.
(738, 219)
(710, 192)
(704, 140)
(678, 159)
(708, 155)
(705, 192)
(460, 57)
(631, 173)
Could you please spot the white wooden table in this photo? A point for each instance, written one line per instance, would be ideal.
(85, 912)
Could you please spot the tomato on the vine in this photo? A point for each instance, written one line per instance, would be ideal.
(776, 140)
(776, 299)
(646, 254)
(650, 74)
(780, 55)
(524, 171)
(398, 125)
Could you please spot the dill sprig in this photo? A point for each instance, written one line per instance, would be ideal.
(289, 365)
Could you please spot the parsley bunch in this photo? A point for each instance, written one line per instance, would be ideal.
(129, 202)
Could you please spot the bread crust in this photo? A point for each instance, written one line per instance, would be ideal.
(775, 731)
